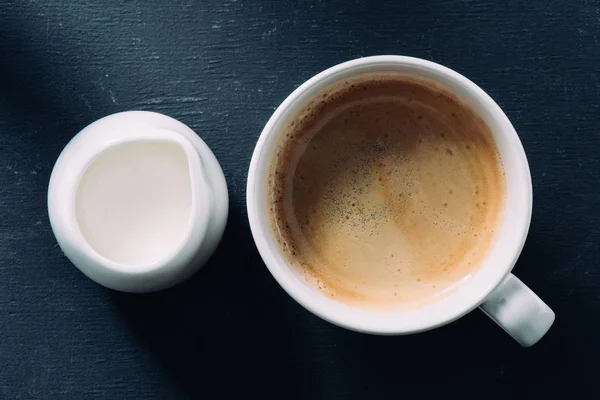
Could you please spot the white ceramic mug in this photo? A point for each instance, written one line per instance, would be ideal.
(501, 295)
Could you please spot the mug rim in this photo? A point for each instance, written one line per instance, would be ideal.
(353, 318)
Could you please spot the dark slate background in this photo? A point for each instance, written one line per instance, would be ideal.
(222, 67)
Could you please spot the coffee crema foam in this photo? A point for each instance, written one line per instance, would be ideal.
(385, 192)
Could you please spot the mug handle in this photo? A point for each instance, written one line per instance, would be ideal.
(519, 311)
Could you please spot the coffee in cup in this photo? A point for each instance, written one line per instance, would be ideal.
(385, 192)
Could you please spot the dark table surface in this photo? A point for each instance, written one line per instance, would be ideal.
(222, 67)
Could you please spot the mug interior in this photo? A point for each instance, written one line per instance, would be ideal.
(510, 234)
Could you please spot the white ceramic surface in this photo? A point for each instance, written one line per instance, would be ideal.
(499, 293)
(208, 212)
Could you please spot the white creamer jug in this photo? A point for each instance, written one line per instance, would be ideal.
(137, 201)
